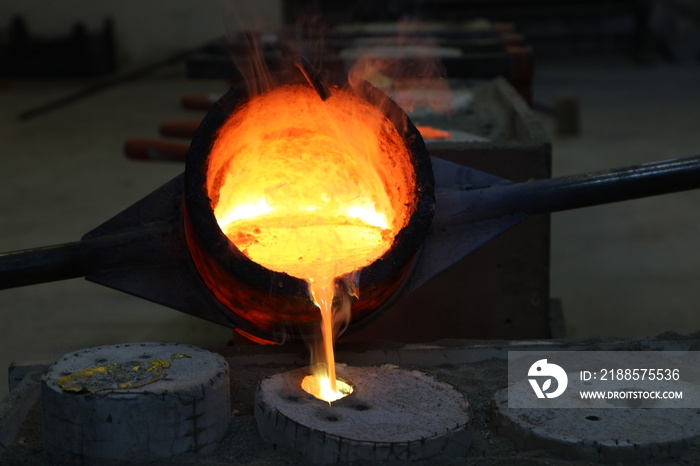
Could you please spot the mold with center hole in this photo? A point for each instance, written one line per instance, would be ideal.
(604, 430)
(392, 415)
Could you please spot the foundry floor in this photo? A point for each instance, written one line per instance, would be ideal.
(627, 269)
(476, 369)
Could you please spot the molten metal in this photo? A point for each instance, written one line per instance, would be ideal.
(315, 189)
(321, 388)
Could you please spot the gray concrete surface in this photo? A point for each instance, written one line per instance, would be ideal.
(477, 369)
(626, 269)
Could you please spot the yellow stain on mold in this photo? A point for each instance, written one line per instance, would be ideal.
(115, 376)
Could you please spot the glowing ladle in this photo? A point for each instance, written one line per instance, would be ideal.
(315, 189)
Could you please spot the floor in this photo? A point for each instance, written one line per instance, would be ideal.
(630, 268)
(626, 269)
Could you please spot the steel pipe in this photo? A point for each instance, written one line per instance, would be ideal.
(576, 191)
(81, 258)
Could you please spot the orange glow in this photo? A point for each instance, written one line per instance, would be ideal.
(428, 132)
(321, 388)
(315, 189)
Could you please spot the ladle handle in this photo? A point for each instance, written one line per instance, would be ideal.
(81, 258)
(45, 264)
(575, 191)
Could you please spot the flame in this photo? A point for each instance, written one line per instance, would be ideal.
(406, 65)
(321, 388)
(315, 189)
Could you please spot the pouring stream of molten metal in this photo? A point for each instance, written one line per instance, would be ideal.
(315, 189)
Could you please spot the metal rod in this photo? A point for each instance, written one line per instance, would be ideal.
(39, 265)
(155, 149)
(575, 191)
(81, 258)
(106, 84)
